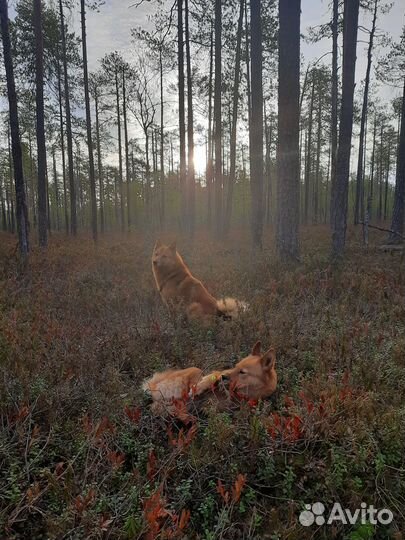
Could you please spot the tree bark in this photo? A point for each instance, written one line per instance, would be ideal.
(341, 186)
(397, 223)
(334, 99)
(69, 138)
(218, 117)
(209, 172)
(121, 181)
(55, 180)
(256, 128)
(308, 160)
(21, 205)
(190, 131)
(359, 201)
(162, 144)
(126, 144)
(182, 129)
(288, 160)
(234, 120)
(99, 162)
(62, 144)
(92, 176)
(40, 124)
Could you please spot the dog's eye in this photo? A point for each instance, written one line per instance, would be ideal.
(243, 371)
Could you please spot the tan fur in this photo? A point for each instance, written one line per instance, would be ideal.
(180, 289)
(254, 377)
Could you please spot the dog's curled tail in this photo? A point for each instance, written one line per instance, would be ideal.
(231, 307)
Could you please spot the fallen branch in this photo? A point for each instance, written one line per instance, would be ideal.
(382, 229)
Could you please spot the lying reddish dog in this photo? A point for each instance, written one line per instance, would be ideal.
(254, 377)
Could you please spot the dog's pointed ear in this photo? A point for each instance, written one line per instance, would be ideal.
(269, 359)
(173, 247)
(158, 244)
(257, 347)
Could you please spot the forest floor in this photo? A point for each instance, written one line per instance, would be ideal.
(82, 457)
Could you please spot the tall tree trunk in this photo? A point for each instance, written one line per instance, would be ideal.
(126, 144)
(121, 181)
(40, 124)
(21, 210)
(308, 159)
(147, 171)
(182, 128)
(162, 144)
(218, 116)
(69, 137)
(334, 99)
(387, 175)
(234, 120)
(288, 159)
(371, 186)
(268, 138)
(209, 172)
(3, 209)
(99, 162)
(316, 191)
(397, 223)
(190, 130)
(92, 176)
(341, 186)
(62, 144)
(381, 174)
(359, 201)
(256, 128)
(55, 180)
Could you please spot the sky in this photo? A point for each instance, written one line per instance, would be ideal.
(110, 29)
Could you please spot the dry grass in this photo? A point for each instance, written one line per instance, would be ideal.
(80, 454)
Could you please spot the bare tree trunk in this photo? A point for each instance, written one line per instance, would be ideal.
(308, 160)
(22, 211)
(126, 144)
(256, 128)
(121, 181)
(268, 138)
(359, 201)
(182, 129)
(162, 145)
(218, 116)
(69, 138)
(315, 210)
(341, 186)
(334, 108)
(62, 144)
(381, 174)
(397, 223)
(209, 172)
(99, 162)
(234, 120)
(190, 130)
(387, 175)
(288, 159)
(371, 188)
(40, 124)
(92, 176)
(55, 180)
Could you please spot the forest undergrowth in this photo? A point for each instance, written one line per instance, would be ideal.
(81, 456)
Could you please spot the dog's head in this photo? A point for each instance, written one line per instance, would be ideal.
(164, 257)
(255, 376)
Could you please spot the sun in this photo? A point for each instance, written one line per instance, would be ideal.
(200, 159)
